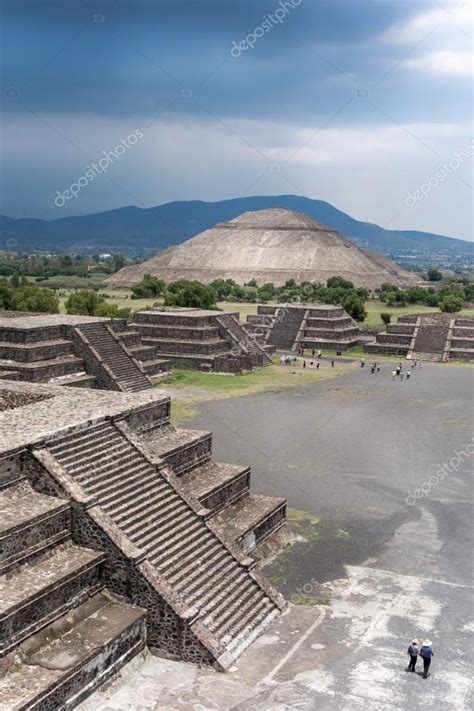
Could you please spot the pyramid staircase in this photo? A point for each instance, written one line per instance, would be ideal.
(221, 601)
(61, 632)
(121, 369)
(243, 340)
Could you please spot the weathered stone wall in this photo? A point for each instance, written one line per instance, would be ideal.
(94, 364)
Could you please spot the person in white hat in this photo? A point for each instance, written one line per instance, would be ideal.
(413, 651)
(426, 652)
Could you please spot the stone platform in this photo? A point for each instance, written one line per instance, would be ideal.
(119, 531)
(317, 326)
(427, 336)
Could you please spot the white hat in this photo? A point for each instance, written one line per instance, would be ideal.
(415, 641)
(427, 643)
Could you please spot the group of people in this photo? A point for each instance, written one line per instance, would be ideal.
(400, 373)
(425, 651)
(302, 351)
(288, 360)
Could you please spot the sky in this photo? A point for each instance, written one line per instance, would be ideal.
(367, 105)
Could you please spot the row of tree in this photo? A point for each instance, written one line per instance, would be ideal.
(45, 266)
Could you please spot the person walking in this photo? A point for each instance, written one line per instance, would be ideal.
(313, 352)
(394, 373)
(304, 364)
(426, 652)
(362, 363)
(332, 362)
(378, 367)
(413, 651)
(317, 365)
(421, 365)
(402, 375)
(408, 375)
(319, 354)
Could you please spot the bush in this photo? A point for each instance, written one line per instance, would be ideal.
(191, 294)
(148, 287)
(434, 275)
(354, 307)
(386, 317)
(451, 303)
(34, 298)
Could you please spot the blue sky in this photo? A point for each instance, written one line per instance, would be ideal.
(356, 103)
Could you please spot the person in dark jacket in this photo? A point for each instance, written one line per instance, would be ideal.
(413, 651)
(426, 652)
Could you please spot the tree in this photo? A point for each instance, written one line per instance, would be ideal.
(148, 287)
(34, 298)
(191, 294)
(354, 306)
(451, 303)
(6, 295)
(84, 302)
(338, 282)
(434, 274)
(386, 317)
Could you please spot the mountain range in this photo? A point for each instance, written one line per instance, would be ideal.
(136, 230)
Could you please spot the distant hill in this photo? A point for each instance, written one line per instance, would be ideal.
(135, 230)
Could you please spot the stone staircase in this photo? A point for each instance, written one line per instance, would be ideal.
(462, 339)
(231, 605)
(61, 633)
(125, 371)
(430, 338)
(243, 340)
(285, 327)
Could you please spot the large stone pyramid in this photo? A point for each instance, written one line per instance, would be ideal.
(271, 245)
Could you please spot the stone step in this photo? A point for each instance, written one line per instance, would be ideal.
(30, 524)
(127, 493)
(186, 532)
(36, 350)
(252, 513)
(75, 437)
(208, 555)
(216, 485)
(165, 519)
(35, 595)
(243, 595)
(65, 662)
(211, 346)
(167, 563)
(79, 380)
(121, 511)
(112, 480)
(143, 506)
(253, 617)
(182, 450)
(210, 601)
(156, 366)
(125, 489)
(148, 518)
(43, 370)
(197, 589)
(82, 453)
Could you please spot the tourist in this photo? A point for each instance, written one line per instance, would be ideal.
(311, 365)
(319, 354)
(402, 375)
(332, 362)
(413, 651)
(304, 364)
(362, 363)
(313, 352)
(399, 368)
(317, 365)
(378, 367)
(394, 373)
(408, 375)
(426, 652)
(421, 365)
(372, 368)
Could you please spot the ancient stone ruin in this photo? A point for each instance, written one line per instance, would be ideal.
(317, 326)
(118, 531)
(92, 352)
(428, 336)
